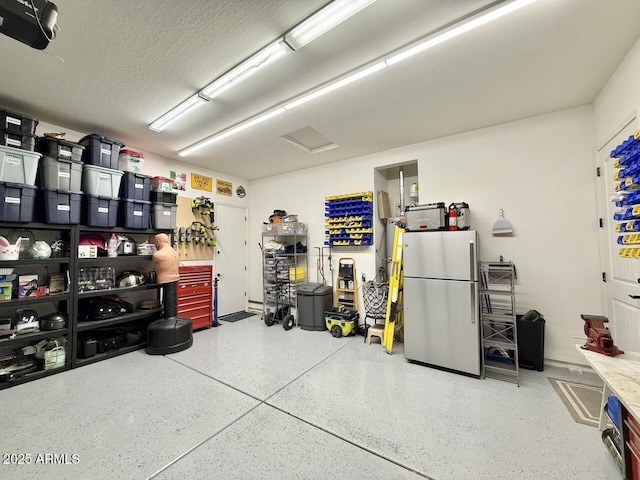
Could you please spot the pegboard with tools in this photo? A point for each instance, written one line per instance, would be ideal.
(195, 234)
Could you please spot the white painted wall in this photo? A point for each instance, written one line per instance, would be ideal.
(619, 98)
(539, 170)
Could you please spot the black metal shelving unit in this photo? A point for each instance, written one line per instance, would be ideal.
(130, 317)
(34, 336)
(71, 298)
(32, 376)
(80, 362)
(114, 260)
(61, 301)
(116, 291)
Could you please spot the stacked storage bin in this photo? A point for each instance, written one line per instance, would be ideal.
(60, 178)
(164, 204)
(134, 191)
(101, 180)
(19, 166)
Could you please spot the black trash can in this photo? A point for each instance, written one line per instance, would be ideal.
(313, 300)
(531, 340)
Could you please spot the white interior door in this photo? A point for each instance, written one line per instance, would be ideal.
(231, 258)
(622, 275)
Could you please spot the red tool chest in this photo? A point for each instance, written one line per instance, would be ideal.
(195, 295)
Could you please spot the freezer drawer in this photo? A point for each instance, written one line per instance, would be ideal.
(441, 323)
(446, 255)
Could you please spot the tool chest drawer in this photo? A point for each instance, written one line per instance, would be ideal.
(195, 295)
(198, 308)
(194, 279)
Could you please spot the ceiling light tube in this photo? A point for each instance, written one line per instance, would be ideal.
(456, 30)
(335, 85)
(231, 131)
(324, 20)
(265, 57)
(188, 106)
(414, 48)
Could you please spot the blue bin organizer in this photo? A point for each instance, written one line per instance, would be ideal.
(631, 226)
(627, 146)
(347, 218)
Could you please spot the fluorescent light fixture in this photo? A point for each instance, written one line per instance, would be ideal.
(335, 85)
(232, 131)
(314, 26)
(454, 31)
(189, 105)
(324, 20)
(416, 47)
(265, 57)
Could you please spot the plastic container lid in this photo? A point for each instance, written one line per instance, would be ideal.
(101, 138)
(18, 185)
(132, 153)
(311, 289)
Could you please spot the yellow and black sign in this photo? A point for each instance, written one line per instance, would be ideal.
(224, 188)
(201, 182)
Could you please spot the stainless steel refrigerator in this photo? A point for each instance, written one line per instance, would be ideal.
(441, 309)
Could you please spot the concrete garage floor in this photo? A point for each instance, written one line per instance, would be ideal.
(248, 401)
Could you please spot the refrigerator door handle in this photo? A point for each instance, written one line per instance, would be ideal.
(474, 304)
(472, 260)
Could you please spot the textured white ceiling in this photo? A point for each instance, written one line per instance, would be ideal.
(126, 63)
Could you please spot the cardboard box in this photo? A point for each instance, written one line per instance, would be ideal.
(57, 283)
(6, 290)
(28, 286)
(87, 251)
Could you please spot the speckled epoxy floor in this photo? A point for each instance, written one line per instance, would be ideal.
(252, 402)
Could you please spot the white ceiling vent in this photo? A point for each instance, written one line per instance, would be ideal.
(309, 139)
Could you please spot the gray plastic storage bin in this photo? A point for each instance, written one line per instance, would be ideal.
(313, 300)
(164, 215)
(102, 182)
(18, 166)
(60, 174)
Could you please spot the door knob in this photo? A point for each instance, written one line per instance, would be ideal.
(635, 297)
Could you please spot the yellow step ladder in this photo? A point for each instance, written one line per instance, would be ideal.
(394, 320)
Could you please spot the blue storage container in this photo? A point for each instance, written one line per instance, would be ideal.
(101, 151)
(100, 211)
(135, 213)
(135, 186)
(18, 202)
(62, 206)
